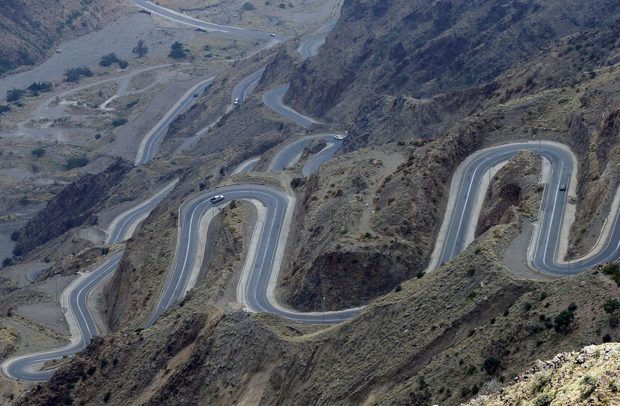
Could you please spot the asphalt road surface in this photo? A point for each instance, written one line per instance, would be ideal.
(327, 153)
(83, 327)
(234, 32)
(292, 151)
(310, 47)
(75, 296)
(150, 142)
(546, 242)
(247, 166)
(274, 100)
(259, 287)
(245, 86)
(122, 227)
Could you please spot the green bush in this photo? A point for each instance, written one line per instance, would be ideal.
(119, 122)
(177, 51)
(7, 262)
(38, 152)
(491, 365)
(613, 271)
(5, 65)
(76, 162)
(14, 95)
(108, 60)
(140, 49)
(4, 108)
(40, 87)
(543, 400)
(611, 306)
(563, 321)
(247, 6)
(123, 64)
(74, 74)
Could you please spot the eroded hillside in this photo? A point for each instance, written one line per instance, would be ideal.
(419, 86)
(422, 48)
(29, 29)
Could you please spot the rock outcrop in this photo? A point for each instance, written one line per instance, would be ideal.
(72, 207)
(421, 48)
(590, 376)
(28, 29)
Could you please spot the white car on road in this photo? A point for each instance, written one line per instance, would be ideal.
(216, 199)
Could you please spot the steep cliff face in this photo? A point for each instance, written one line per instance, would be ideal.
(70, 208)
(510, 189)
(421, 48)
(28, 29)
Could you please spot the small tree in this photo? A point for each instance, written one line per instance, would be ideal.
(108, 60)
(40, 87)
(18, 251)
(140, 49)
(613, 271)
(491, 365)
(177, 51)
(14, 95)
(75, 162)
(38, 152)
(123, 64)
(611, 306)
(563, 321)
(74, 74)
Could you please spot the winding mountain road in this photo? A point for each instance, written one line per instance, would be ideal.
(75, 296)
(550, 239)
(245, 86)
(274, 100)
(310, 47)
(275, 208)
(256, 289)
(229, 31)
(150, 142)
(81, 324)
(291, 152)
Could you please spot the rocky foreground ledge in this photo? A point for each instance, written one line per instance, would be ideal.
(590, 376)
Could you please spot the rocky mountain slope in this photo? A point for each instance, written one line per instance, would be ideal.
(367, 222)
(437, 340)
(28, 29)
(421, 48)
(70, 208)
